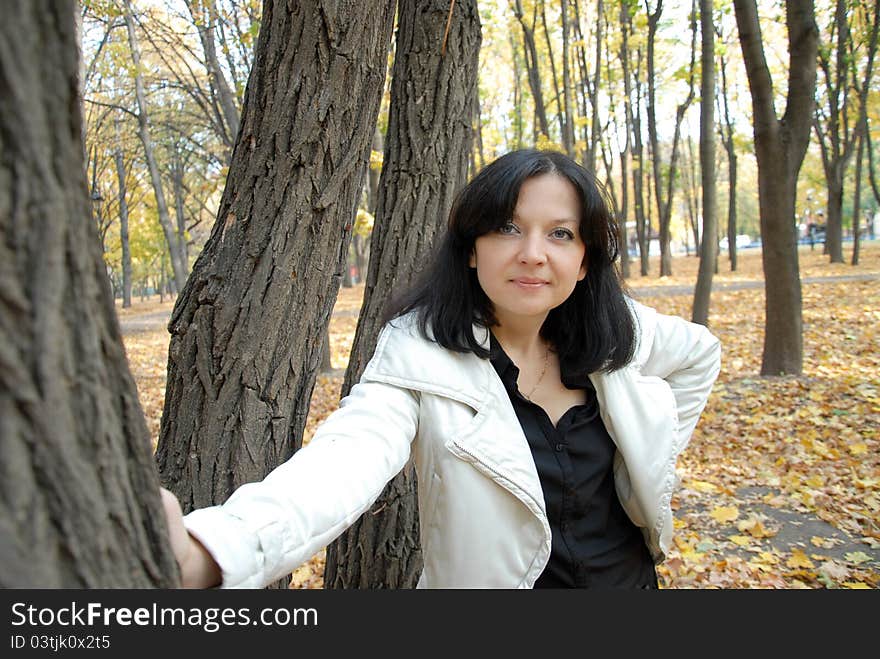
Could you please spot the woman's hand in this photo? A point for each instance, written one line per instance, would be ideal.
(198, 569)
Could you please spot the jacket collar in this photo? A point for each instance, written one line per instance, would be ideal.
(494, 442)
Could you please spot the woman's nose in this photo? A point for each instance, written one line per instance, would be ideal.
(532, 249)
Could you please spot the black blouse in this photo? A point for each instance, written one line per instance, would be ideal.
(594, 543)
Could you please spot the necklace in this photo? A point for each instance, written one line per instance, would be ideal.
(528, 396)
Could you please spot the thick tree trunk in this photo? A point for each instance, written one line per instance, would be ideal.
(709, 245)
(247, 330)
(177, 264)
(780, 146)
(427, 146)
(80, 493)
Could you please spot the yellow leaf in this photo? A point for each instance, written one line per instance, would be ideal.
(704, 486)
(820, 542)
(799, 559)
(815, 481)
(856, 585)
(725, 513)
(755, 528)
(858, 449)
(867, 483)
(741, 540)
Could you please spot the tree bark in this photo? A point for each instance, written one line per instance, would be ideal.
(426, 154)
(780, 145)
(247, 330)
(177, 264)
(709, 244)
(80, 492)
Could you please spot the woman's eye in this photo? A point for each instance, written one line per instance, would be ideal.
(507, 229)
(562, 234)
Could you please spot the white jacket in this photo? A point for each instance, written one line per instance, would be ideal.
(481, 507)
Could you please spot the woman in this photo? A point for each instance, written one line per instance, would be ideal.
(544, 410)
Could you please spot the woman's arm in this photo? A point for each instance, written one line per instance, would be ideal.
(688, 357)
(268, 528)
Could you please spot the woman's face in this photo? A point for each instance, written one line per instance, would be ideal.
(532, 263)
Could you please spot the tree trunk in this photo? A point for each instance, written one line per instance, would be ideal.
(709, 244)
(780, 146)
(80, 505)
(204, 15)
(530, 51)
(857, 203)
(594, 89)
(568, 127)
(123, 223)
(247, 331)
(726, 132)
(664, 186)
(177, 264)
(177, 171)
(426, 153)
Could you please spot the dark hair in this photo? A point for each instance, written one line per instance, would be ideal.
(592, 330)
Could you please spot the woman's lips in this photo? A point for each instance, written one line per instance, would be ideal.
(529, 282)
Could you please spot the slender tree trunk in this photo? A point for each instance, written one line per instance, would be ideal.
(530, 52)
(80, 505)
(726, 132)
(551, 60)
(664, 185)
(594, 88)
(709, 245)
(780, 146)
(857, 202)
(862, 133)
(204, 15)
(123, 223)
(177, 172)
(247, 331)
(177, 264)
(426, 153)
(568, 127)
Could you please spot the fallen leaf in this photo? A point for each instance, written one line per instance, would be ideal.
(723, 514)
(857, 557)
(799, 559)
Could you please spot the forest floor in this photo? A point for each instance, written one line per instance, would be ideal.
(781, 480)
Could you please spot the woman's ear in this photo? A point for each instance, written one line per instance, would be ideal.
(472, 259)
(583, 271)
